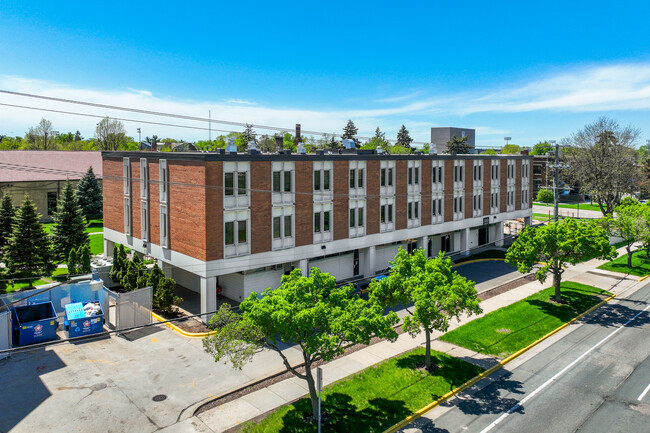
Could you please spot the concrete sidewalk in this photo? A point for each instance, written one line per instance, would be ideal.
(228, 415)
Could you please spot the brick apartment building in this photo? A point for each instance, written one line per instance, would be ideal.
(241, 221)
(540, 174)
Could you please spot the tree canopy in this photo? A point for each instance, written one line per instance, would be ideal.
(458, 146)
(602, 161)
(510, 149)
(69, 230)
(7, 214)
(629, 224)
(545, 196)
(437, 294)
(310, 312)
(557, 245)
(350, 132)
(403, 138)
(110, 134)
(541, 148)
(89, 195)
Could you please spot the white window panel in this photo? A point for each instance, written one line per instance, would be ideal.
(458, 205)
(357, 179)
(164, 226)
(236, 233)
(236, 182)
(357, 218)
(144, 179)
(477, 174)
(127, 215)
(386, 214)
(477, 204)
(282, 227)
(437, 208)
(144, 220)
(387, 178)
(459, 175)
(323, 222)
(495, 197)
(323, 181)
(437, 175)
(413, 211)
(283, 182)
(163, 175)
(413, 177)
(126, 175)
(496, 166)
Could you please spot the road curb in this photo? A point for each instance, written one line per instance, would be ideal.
(180, 331)
(489, 371)
(643, 278)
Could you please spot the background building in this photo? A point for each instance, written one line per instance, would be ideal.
(241, 221)
(440, 137)
(41, 174)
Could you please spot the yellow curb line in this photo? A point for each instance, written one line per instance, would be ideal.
(643, 278)
(488, 372)
(180, 331)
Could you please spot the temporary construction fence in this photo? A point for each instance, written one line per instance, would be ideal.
(122, 310)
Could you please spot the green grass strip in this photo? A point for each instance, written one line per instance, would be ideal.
(511, 328)
(375, 398)
(640, 264)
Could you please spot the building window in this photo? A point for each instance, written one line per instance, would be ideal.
(282, 227)
(386, 213)
(386, 177)
(126, 174)
(164, 179)
(436, 210)
(51, 202)
(356, 220)
(537, 169)
(437, 174)
(164, 226)
(144, 179)
(236, 232)
(322, 221)
(458, 207)
(413, 212)
(144, 220)
(127, 215)
(282, 181)
(322, 181)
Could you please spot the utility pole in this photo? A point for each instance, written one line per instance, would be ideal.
(210, 126)
(556, 180)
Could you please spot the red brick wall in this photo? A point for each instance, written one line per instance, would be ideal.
(136, 229)
(304, 203)
(113, 191)
(469, 188)
(372, 194)
(503, 178)
(214, 210)
(401, 193)
(449, 190)
(487, 185)
(187, 204)
(425, 193)
(341, 205)
(154, 202)
(260, 206)
(518, 184)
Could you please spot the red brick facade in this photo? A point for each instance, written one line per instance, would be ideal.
(425, 193)
(341, 204)
(449, 190)
(304, 221)
(372, 194)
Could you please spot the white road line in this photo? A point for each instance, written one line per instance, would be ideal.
(645, 391)
(561, 372)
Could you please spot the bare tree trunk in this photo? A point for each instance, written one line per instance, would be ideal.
(427, 349)
(313, 395)
(557, 281)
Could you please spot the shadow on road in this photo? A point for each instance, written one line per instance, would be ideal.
(425, 425)
(491, 399)
(614, 315)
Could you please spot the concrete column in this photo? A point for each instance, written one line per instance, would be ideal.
(370, 265)
(303, 265)
(499, 234)
(424, 241)
(166, 268)
(108, 248)
(208, 297)
(464, 241)
(528, 220)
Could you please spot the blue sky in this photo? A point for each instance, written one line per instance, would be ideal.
(530, 71)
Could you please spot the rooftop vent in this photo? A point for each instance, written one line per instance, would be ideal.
(379, 150)
(433, 149)
(252, 144)
(301, 148)
(231, 146)
(348, 144)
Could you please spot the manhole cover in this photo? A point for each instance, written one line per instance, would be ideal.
(159, 397)
(504, 331)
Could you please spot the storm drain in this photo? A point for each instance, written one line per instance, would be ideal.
(159, 397)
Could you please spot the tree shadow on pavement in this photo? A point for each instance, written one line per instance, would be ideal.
(340, 414)
(490, 399)
(425, 425)
(614, 315)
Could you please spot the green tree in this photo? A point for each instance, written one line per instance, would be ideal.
(73, 263)
(248, 135)
(135, 276)
(458, 146)
(644, 220)
(84, 258)
(69, 230)
(628, 201)
(89, 195)
(120, 263)
(541, 148)
(432, 292)
(510, 149)
(350, 131)
(311, 312)
(110, 134)
(403, 138)
(603, 161)
(545, 196)
(29, 251)
(7, 214)
(489, 152)
(164, 297)
(557, 245)
(627, 225)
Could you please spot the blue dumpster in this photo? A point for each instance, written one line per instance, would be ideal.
(34, 323)
(79, 321)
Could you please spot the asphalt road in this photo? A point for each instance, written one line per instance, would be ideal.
(591, 377)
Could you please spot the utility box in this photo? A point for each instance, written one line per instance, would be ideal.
(83, 318)
(34, 323)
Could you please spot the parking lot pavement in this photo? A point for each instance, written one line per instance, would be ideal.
(110, 383)
(488, 274)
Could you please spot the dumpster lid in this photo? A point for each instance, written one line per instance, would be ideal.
(75, 311)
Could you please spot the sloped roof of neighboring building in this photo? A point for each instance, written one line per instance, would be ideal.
(38, 165)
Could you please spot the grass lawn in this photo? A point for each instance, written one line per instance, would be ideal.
(509, 329)
(23, 284)
(96, 244)
(640, 265)
(94, 226)
(374, 399)
(583, 206)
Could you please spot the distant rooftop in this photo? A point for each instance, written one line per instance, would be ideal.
(38, 165)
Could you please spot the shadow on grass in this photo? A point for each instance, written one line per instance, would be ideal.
(454, 370)
(575, 303)
(490, 399)
(340, 414)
